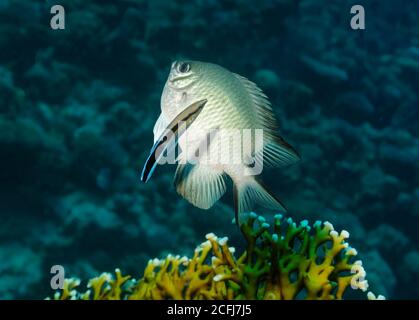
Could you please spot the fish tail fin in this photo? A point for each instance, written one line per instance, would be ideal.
(250, 191)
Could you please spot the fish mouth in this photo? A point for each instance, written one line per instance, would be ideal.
(170, 134)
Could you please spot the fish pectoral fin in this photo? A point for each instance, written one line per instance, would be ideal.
(168, 139)
(252, 191)
(201, 185)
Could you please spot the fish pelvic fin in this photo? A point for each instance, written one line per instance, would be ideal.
(250, 191)
(200, 185)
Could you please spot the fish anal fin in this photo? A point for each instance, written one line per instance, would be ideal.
(201, 185)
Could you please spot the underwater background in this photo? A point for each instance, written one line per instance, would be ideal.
(77, 108)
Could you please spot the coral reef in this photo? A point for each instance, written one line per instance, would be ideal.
(291, 261)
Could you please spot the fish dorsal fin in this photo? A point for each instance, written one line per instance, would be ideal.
(199, 184)
(276, 152)
(261, 102)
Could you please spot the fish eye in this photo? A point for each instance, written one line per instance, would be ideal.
(184, 67)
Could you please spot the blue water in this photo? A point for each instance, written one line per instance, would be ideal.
(77, 108)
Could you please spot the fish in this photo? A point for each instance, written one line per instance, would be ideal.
(205, 110)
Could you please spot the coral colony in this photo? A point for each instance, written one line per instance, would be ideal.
(291, 262)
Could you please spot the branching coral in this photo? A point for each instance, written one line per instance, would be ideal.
(292, 262)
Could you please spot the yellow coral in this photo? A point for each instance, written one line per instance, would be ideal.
(281, 265)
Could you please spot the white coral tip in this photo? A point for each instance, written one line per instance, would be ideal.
(328, 225)
(223, 241)
(344, 234)
(372, 296)
(206, 244)
(358, 262)
(218, 277)
(333, 233)
(211, 236)
(363, 285)
(352, 252)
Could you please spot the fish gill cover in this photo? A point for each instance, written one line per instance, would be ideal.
(78, 108)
